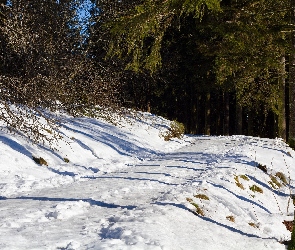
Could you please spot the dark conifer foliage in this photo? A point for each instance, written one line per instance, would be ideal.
(134, 87)
(219, 70)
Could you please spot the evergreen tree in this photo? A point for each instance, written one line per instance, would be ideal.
(139, 33)
(250, 56)
(242, 46)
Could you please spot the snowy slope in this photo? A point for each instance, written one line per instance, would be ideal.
(124, 187)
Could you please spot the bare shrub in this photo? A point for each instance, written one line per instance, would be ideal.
(176, 130)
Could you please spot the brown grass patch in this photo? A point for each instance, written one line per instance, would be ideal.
(231, 218)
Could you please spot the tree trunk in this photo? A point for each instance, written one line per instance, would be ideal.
(281, 106)
(292, 80)
(148, 108)
(250, 121)
(239, 119)
(197, 125)
(207, 114)
(226, 113)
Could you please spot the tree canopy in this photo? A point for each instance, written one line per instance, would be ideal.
(220, 67)
(140, 32)
(233, 47)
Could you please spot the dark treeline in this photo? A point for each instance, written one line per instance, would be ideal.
(220, 67)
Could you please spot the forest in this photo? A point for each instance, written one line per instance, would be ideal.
(219, 67)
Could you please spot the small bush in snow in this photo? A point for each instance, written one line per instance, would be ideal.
(66, 160)
(176, 130)
(40, 161)
(262, 167)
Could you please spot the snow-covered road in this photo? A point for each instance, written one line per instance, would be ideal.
(145, 201)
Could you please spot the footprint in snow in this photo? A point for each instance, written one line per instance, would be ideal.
(67, 210)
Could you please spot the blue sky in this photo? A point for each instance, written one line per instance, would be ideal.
(84, 15)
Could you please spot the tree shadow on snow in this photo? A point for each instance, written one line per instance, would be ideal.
(130, 178)
(181, 206)
(90, 201)
(21, 149)
(64, 173)
(119, 143)
(241, 197)
(15, 146)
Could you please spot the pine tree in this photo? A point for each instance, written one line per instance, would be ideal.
(250, 55)
(139, 33)
(233, 54)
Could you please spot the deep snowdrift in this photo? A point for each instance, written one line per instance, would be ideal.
(124, 187)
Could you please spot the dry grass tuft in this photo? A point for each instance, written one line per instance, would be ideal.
(274, 182)
(199, 211)
(240, 185)
(202, 196)
(255, 188)
(231, 218)
(289, 225)
(252, 224)
(189, 200)
(282, 177)
(244, 177)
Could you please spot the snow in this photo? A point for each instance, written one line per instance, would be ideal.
(125, 187)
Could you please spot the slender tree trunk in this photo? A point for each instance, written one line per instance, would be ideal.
(207, 114)
(148, 98)
(197, 126)
(250, 124)
(281, 106)
(239, 119)
(292, 79)
(226, 113)
(148, 108)
(219, 118)
(194, 112)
